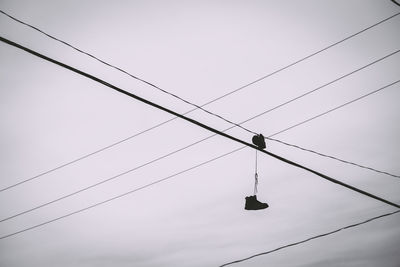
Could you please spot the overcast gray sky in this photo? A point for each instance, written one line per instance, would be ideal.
(198, 50)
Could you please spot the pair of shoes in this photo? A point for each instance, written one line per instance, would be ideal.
(259, 141)
(253, 204)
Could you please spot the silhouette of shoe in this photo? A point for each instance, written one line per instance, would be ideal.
(253, 204)
(259, 141)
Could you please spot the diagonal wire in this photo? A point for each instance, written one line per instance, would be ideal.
(121, 195)
(167, 121)
(332, 157)
(395, 2)
(181, 149)
(312, 238)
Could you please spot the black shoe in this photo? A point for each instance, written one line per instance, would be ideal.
(259, 141)
(253, 204)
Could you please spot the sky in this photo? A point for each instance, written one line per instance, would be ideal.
(198, 50)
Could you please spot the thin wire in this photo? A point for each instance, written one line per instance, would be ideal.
(85, 156)
(181, 149)
(160, 124)
(121, 195)
(332, 157)
(312, 238)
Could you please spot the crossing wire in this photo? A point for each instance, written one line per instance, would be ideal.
(334, 158)
(312, 238)
(117, 89)
(179, 150)
(165, 122)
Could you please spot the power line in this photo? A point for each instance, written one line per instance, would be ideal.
(121, 195)
(185, 147)
(105, 180)
(198, 123)
(334, 158)
(162, 123)
(395, 2)
(312, 238)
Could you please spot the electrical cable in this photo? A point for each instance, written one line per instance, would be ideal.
(293, 244)
(395, 2)
(312, 238)
(334, 158)
(119, 196)
(162, 123)
(181, 149)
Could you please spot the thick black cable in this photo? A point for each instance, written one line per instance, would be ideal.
(162, 123)
(312, 238)
(194, 121)
(119, 196)
(127, 73)
(188, 146)
(395, 2)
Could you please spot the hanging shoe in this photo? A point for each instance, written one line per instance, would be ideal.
(259, 141)
(253, 204)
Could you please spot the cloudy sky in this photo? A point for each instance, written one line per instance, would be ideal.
(199, 50)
